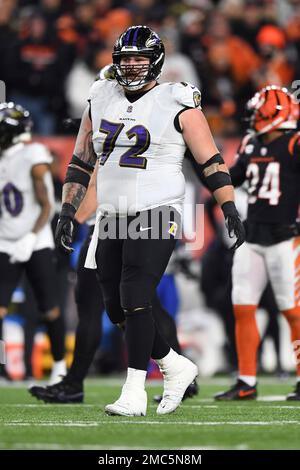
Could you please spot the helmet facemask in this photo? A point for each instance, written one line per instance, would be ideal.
(145, 44)
(133, 76)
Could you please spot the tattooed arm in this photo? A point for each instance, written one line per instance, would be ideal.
(81, 165)
(77, 180)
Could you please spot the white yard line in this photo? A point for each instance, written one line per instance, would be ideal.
(184, 405)
(236, 405)
(117, 381)
(194, 404)
(84, 424)
(54, 446)
(272, 398)
(264, 398)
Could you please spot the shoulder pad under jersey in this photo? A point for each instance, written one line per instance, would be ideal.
(99, 86)
(187, 94)
(37, 154)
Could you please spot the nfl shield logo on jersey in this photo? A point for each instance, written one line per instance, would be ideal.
(197, 98)
(129, 109)
(173, 228)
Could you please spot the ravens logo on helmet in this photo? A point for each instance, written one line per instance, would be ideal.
(15, 124)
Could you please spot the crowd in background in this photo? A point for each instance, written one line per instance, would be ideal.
(51, 50)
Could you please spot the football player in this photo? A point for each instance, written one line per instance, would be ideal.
(90, 309)
(26, 240)
(269, 160)
(138, 130)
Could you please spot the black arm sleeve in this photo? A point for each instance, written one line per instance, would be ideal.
(238, 171)
(211, 182)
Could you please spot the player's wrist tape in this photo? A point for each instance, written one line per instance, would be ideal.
(214, 178)
(67, 210)
(229, 209)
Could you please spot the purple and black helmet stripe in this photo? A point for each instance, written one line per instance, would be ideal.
(131, 37)
(135, 36)
(126, 38)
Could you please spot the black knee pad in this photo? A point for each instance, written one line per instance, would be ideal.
(137, 294)
(114, 311)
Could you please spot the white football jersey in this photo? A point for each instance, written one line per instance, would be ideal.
(19, 208)
(139, 148)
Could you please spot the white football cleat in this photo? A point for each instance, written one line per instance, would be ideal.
(132, 402)
(176, 382)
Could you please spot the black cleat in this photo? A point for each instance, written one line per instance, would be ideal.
(190, 392)
(63, 392)
(240, 391)
(295, 395)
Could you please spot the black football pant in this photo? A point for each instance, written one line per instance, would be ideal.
(129, 268)
(90, 307)
(40, 270)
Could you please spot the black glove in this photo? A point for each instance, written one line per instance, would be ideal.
(64, 233)
(234, 224)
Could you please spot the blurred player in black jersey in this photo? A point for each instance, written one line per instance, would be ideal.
(269, 160)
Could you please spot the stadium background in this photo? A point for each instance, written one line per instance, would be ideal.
(51, 51)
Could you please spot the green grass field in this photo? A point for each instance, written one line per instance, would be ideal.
(200, 423)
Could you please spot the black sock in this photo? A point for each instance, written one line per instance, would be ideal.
(88, 337)
(2, 366)
(160, 347)
(56, 332)
(139, 336)
(165, 325)
(29, 332)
